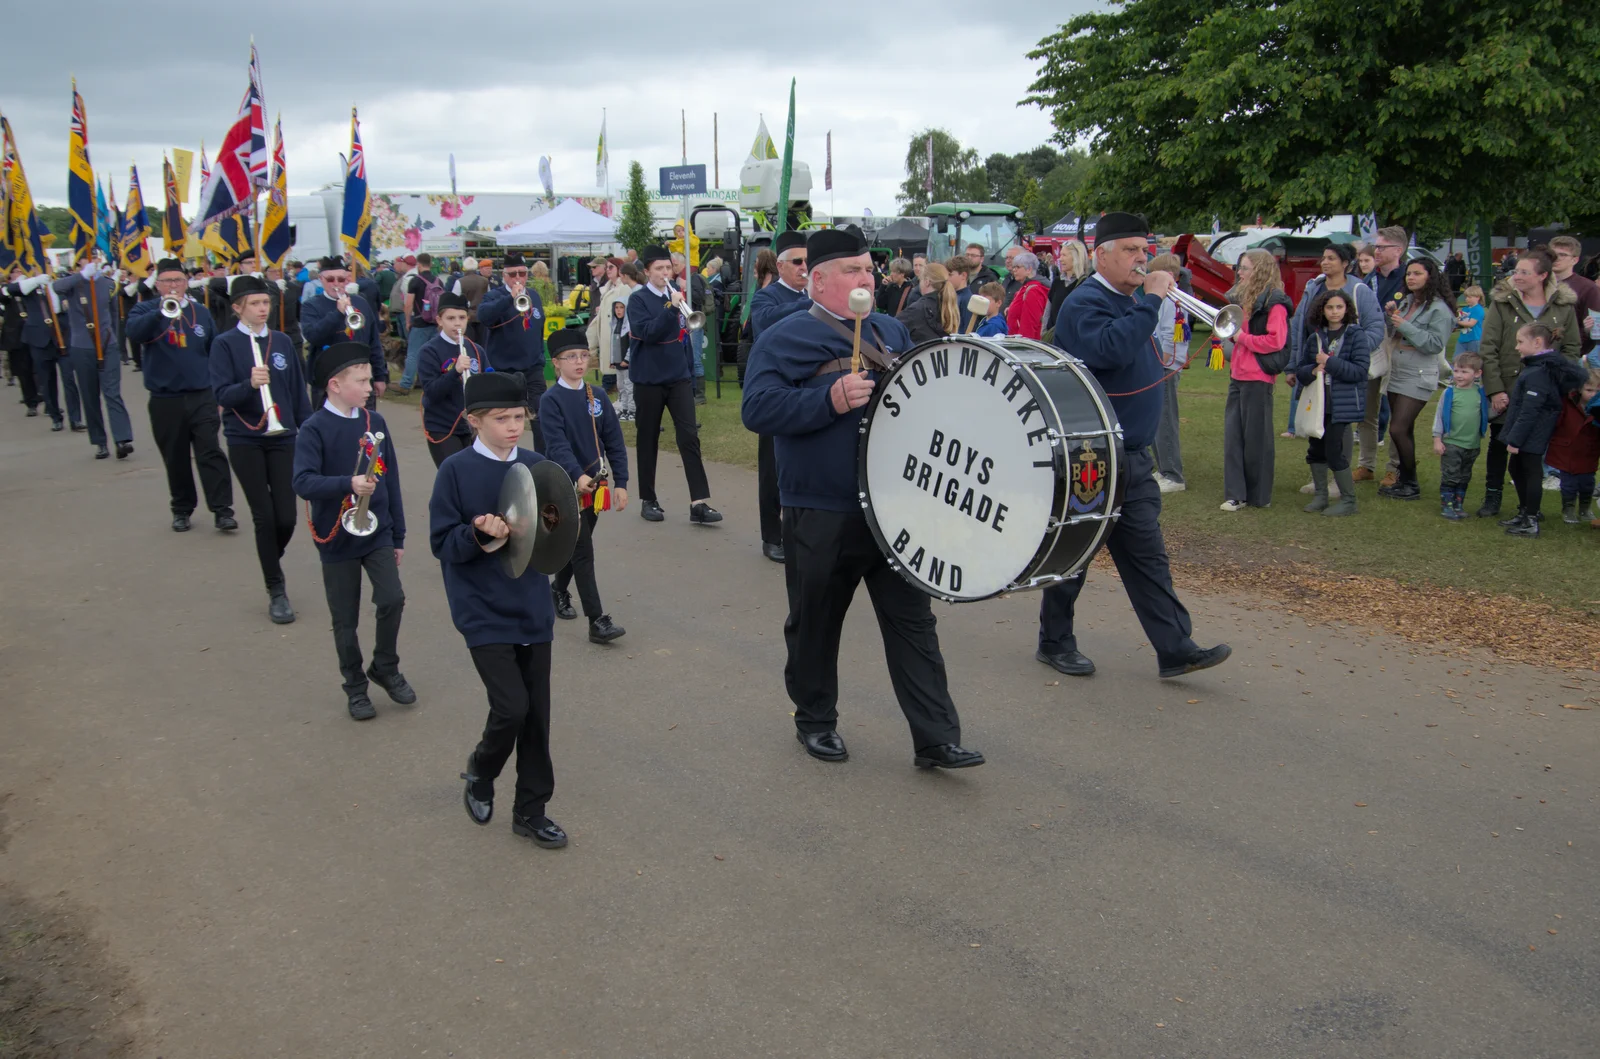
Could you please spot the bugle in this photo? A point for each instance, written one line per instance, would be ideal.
(522, 302)
(353, 319)
(171, 308)
(1224, 322)
(274, 424)
(358, 520)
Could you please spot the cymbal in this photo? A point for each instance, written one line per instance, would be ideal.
(519, 506)
(556, 528)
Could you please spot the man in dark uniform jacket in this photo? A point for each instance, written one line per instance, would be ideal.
(800, 389)
(42, 334)
(769, 305)
(96, 361)
(18, 357)
(1108, 323)
(515, 339)
(323, 321)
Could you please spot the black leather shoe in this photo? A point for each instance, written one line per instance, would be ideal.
(78, 428)
(33, 413)
(56, 425)
(1201, 659)
(651, 511)
(226, 521)
(478, 796)
(544, 831)
(704, 514)
(1526, 526)
(1513, 520)
(124, 449)
(1071, 663)
(100, 453)
(279, 609)
(361, 708)
(394, 685)
(604, 630)
(824, 746)
(563, 602)
(772, 551)
(947, 756)
(180, 523)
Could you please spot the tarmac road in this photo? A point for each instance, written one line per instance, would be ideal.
(1314, 850)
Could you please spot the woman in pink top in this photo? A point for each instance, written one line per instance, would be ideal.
(1248, 439)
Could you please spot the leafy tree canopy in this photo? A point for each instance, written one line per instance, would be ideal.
(957, 174)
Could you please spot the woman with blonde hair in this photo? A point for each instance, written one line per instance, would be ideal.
(1260, 353)
(937, 312)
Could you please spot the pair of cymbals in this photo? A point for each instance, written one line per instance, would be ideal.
(540, 507)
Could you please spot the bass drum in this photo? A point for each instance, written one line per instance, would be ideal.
(989, 466)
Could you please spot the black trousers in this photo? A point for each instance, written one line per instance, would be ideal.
(517, 678)
(1141, 556)
(767, 490)
(581, 567)
(45, 365)
(186, 423)
(21, 362)
(1494, 467)
(443, 450)
(1332, 448)
(534, 380)
(827, 554)
(341, 582)
(266, 474)
(677, 398)
(1527, 474)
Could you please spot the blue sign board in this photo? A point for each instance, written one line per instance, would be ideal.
(683, 180)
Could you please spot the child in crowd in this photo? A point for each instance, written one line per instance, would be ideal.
(1334, 354)
(444, 361)
(1459, 424)
(1575, 449)
(995, 323)
(1469, 320)
(1537, 399)
(323, 457)
(507, 623)
(582, 435)
(619, 342)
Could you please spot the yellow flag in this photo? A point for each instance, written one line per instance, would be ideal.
(182, 166)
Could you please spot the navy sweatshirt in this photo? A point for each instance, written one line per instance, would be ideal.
(1113, 335)
(171, 369)
(486, 605)
(442, 395)
(784, 397)
(570, 423)
(515, 340)
(322, 324)
(231, 361)
(660, 350)
(324, 462)
(38, 328)
(772, 303)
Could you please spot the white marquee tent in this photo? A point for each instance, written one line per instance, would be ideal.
(569, 222)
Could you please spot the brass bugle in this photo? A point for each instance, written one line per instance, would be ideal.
(358, 520)
(694, 321)
(354, 320)
(1224, 322)
(522, 302)
(171, 308)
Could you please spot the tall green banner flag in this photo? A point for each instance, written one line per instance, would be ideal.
(783, 204)
(1480, 259)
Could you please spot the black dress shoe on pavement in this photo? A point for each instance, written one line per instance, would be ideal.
(772, 551)
(78, 428)
(124, 449)
(947, 756)
(704, 514)
(824, 746)
(563, 603)
(1201, 659)
(544, 831)
(33, 413)
(361, 708)
(226, 521)
(604, 630)
(100, 453)
(478, 796)
(394, 685)
(651, 511)
(180, 523)
(279, 609)
(56, 425)
(1071, 663)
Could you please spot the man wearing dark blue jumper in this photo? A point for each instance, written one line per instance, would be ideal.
(175, 357)
(1109, 326)
(799, 388)
(324, 321)
(515, 337)
(769, 305)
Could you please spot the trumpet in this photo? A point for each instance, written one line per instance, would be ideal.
(171, 308)
(274, 425)
(1224, 322)
(461, 344)
(522, 302)
(352, 316)
(693, 320)
(358, 520)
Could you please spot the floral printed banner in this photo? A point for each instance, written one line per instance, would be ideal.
(401, 220)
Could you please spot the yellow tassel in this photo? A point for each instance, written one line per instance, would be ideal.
(1216, 355)
(602, 498)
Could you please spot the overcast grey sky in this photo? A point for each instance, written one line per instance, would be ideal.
(500, 84)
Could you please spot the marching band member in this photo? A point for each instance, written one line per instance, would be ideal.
(508, 624)
(264, 462)
(515, 338)
(446, 359)
(322, 476)
(324, 320)
(175, 355)
(93, 352)
(770, 304)
(798, 387)
(41, 332)
(286, 306)
(19, 358)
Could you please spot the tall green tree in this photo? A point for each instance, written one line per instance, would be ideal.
(59, 220)
(957, 174)
(1426, 112)
(636, 229)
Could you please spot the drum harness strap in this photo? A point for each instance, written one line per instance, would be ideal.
(873, 355)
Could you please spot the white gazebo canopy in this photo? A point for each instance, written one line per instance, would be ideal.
(569, 222)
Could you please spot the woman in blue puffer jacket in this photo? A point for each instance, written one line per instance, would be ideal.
(1335, 354)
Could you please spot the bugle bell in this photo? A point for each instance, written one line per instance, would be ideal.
(522, 302)
(358, 520)
(1224, 322)
(694, 321)
(354, 320)
(171, 308)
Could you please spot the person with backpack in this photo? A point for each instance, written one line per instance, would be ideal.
(395, 299)
(423, 290)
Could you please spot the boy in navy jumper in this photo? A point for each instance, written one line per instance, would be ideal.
(583, 435)
(174, 356)
(323, 459)
(444, 360)
(263, 462)
(507, 623)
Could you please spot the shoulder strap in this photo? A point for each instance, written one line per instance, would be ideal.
(600, 453)
(872, 354)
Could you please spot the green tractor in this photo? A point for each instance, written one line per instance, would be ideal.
(954, 226)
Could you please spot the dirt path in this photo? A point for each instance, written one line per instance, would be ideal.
(1336, 845)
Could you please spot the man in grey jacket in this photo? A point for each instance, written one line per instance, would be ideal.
(95, 353)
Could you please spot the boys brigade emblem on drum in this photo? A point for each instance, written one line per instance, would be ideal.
(1088, 479)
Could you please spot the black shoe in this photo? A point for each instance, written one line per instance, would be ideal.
(100, 453)
(180, 523)
(604, 630)
(226, 521)
(704, 514)
(478, 796)
(772, 551)
(1491, 504)
(1201, 659)
(124, 449)
(56, 425)
(545, 832)
(1513, 520)
(279, 609)
(33, 413)
(360, 706)
(651, 511)
(78, 428)
(394, 684)
(563, 603)
(1071, 663)
(1526, 526)
(946, 756)
(824, 746)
